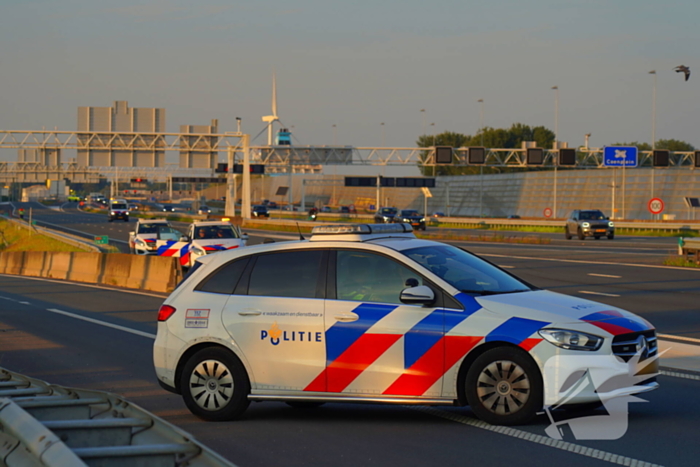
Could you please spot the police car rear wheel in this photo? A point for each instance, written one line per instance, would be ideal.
(504, 387)
(215, 385)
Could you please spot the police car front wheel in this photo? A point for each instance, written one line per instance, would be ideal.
(504, 387)
(215, 385)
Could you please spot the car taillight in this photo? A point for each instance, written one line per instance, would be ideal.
(165, 312)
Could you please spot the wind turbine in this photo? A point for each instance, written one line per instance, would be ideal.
(270, 119)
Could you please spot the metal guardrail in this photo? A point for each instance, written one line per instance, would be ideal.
(42, 424)
(60, 236)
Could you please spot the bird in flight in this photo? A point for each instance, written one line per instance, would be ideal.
(683, 69)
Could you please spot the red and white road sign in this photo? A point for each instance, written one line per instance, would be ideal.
(547, 212)
(655, 206)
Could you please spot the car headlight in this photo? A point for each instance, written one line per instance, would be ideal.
(197, 251)
(585, 224)
(571, 340)
(113, 213)
(422, 219)
(139, 242)
(610, 224)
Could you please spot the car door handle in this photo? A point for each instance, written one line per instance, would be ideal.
(249, 312)
(347, 317)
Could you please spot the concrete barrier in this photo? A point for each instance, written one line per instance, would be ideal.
(153, 273)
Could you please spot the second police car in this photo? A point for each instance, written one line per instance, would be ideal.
(203, 237)
(370, 313)
(143, 239)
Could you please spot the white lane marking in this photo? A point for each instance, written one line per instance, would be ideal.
(598, 293)
(605, 275)
(102, 323)
(25, 303)
(591, 262)
(675, 374)
(506, 267)
(9, 299)
(680, 338)
(90, 286)
(538, 439)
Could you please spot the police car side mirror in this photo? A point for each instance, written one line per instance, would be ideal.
(421, 295)
(132, 233)
(244, 237)
(184, 238)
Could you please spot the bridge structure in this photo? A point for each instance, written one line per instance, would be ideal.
(277, 159)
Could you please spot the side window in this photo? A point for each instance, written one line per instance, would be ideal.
(293, 274)
(224, 279)
(368, 277)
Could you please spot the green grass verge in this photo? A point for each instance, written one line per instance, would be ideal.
(14, 238)
(681, 262)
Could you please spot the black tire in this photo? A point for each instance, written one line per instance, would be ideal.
(611, 236)
(504, 387)
(126, 220)
(304, 404)
(580, 235)
(423, 228)
(567, 235)
(597, 237)
(215, 385)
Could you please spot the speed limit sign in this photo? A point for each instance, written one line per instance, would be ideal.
(547, 212)
(655, 206)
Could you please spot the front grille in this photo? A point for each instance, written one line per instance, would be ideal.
(625, 345)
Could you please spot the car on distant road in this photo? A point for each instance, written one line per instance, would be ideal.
(385, 215)
(204, 210)
(74, 198)
(513, 216)
(588, 223)
(370, 313)
(118, 209)
(258, 210)
(438, 214)
(410, 216)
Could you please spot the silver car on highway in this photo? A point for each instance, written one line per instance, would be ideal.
(588, 223)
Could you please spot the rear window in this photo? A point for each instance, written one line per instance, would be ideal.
(224, 279)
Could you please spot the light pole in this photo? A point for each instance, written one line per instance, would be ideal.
(555, 146)
(653, 130)
(422, 111)
(238, 124)
(481, 120)
(334, 134)
(383, 134)
(481, 166)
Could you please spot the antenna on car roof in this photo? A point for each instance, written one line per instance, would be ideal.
(301, 237)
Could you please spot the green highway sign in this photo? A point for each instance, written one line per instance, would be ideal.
(102, 239)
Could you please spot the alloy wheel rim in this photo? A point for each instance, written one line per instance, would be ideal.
(503, 387)
(211, 385)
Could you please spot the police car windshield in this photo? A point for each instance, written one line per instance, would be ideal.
(118, 206)
(215, 232)
(465, 271)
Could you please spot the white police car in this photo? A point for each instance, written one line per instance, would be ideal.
(202, 238)
(143, 239)
(370, 313)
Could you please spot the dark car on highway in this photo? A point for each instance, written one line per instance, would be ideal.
(259, 210)
(411, 216)
(385, 215)
(588, 223)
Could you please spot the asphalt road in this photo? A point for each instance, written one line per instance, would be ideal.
(626, 272)
(37, 341)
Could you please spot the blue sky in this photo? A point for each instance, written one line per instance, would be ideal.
(357, 64)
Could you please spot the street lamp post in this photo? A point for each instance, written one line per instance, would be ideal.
(334, 134)
(653, 130)
(238, 124)
(556, 146)
(422, 111)
(383, 134)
